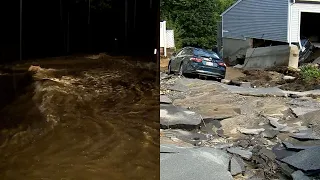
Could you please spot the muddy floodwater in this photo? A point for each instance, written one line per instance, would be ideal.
(80, 119)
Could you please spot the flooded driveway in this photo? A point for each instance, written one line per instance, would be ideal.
(83, 119)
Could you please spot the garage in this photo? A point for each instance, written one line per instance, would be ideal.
(309, 28)
(303, 18)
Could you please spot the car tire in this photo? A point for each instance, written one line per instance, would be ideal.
(181, 69)
(169, 68)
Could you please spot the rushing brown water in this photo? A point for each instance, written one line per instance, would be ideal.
(89, 120)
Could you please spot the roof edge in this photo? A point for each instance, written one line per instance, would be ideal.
(231, 7)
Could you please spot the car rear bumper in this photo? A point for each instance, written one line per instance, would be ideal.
(205, 71)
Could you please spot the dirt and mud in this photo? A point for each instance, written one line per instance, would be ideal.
(265, 78)
(80, 118)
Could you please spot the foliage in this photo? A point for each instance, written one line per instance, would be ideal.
(310, 73)
(193, 21)
(100, 5)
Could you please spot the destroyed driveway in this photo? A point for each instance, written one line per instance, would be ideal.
(210, 129)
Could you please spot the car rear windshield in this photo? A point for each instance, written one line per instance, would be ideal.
(205, 53)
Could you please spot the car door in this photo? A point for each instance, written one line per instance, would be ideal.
(176, 60)
(186, 55)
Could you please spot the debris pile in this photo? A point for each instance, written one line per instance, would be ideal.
(274, 144)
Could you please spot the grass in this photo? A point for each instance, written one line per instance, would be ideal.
(310, 73)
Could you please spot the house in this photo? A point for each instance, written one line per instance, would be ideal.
(250, 23)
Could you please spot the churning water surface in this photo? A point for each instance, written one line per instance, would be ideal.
(94, 119)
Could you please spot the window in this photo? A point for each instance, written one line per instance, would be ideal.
(206, 53)
(179, 53)
(186, 51)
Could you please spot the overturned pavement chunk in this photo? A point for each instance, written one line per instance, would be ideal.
(243, 153)
(237, 166)
(171, 115)
(306, 160)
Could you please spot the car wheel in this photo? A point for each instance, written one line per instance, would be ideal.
(169, 68)
(181, 69)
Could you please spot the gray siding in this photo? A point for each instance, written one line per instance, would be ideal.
(261, 19)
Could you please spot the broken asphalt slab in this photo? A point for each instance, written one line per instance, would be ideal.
(274, 122)
(250, 131)
(272, 91)
(300, 111)
(165, 99)
(285, 168)
(186, 136)
(195, 163)
(171, 115)
(241, 152)
(282, 152)
(290, 146)
(306, 160)
(299, 175)
(270, 133)
(307, 135)
(171, 148)
(255, 91)
(237, 166)
(178, 86)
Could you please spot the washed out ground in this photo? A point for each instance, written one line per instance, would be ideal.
(252, 132)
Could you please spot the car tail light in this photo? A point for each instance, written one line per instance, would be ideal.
(222, 64)
(196, 59)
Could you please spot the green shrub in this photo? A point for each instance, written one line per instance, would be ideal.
(310, 73)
